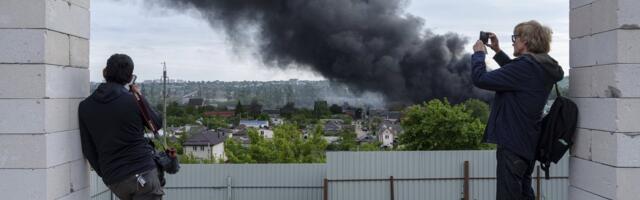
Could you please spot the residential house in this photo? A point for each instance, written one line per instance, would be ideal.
(388, 132)
(254, 123)
(206, 145)
(225, 114)
(196, 102)
(333, 126)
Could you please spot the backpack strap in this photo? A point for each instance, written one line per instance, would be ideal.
(545, 167)
(557, 91)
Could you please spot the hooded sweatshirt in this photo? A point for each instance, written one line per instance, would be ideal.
(522, 87)
(112, 133)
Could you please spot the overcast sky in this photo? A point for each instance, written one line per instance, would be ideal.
(195, 51)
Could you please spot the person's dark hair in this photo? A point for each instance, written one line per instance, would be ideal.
(119, 69)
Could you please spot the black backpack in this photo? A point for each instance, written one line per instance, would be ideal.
(556, 135)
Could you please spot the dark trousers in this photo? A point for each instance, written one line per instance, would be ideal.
(514, 176)
(130, 189)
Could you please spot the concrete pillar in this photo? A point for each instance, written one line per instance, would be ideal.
(44, 59)
(605, 83)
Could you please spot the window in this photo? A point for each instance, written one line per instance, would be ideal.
(194, 148)
(201, 148)
(386, 136)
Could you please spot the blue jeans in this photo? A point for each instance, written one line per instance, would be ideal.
(513, 176)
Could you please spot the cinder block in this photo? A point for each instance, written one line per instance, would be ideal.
(22, 46)
(580, 21)
(22, 116)
(63, 147)
(594, 177)
(33, 46)
(82, 3)
(604, 147)
(61, 114)
(581, 52)
(579, 194)
(67, 18)
(604, 15)
(628, 181)
(82, 194)
(79, 171)
(609, 114)
(579, 3)
(628, 50)
(43, 81)
(628, 17)
(67, 82)
(582, 144)
(22, 13)
(618, 46)
(58, 181)
(79, 52)
(605, 47)
(23, 151)
(607, 81)
(21, 81)
(23, 183)
(56, 48)
(603, 180)
(615, 14)
(597, 113)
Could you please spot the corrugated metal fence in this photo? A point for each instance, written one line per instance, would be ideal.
(435, 175)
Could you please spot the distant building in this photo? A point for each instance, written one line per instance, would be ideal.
(206, 145)
(333, 127)
(266, 133)
(388, 132)
(224, 114)
(254, 123)
(196, 102)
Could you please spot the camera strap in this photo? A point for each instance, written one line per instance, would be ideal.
(144, 109)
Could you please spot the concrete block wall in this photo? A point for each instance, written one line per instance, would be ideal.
(605, 66)
(44, 60)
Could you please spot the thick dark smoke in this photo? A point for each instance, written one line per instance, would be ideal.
(368, 44)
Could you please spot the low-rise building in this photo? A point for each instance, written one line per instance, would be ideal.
(388, 132)
(206, 145)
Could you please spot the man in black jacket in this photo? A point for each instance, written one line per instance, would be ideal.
(112, 134)
(521, 86)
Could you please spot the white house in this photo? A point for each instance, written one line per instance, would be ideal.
(206, 145)
(388, 132)
(255, 123)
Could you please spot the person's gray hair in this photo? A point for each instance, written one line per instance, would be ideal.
(536, 36)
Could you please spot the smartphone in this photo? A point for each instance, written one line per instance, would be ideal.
(133, 79)
(484, 37)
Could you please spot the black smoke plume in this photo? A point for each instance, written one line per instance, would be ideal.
(371, 45)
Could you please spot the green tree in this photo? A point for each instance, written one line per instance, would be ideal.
(438, 125)
(287, 146)
(320, 109)
(240, 111)
(479, 109)
(288, 110)
(255, 109)
(214, 122)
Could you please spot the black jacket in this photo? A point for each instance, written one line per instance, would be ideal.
(112, 133)
(522, 87)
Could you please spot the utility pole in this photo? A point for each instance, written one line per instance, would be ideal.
(164, 102)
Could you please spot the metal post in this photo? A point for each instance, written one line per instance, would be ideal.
(325, 189)
(164, 103)
(538, 183)
(466, 180)
(391, 185)
(228, 187)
